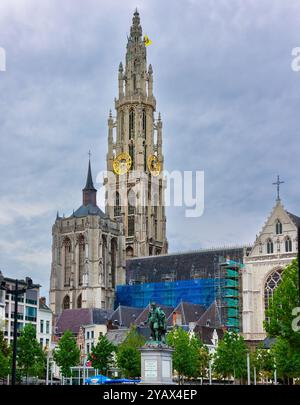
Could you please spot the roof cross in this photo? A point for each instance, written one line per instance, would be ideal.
(278, 183)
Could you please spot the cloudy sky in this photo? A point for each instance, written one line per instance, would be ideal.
(224, 85)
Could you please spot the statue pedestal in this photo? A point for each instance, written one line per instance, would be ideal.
(156, 364)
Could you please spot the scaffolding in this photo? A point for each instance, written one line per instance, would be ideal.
(169, 293)
(228, 294)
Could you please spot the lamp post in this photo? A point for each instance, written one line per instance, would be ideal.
(16, 292)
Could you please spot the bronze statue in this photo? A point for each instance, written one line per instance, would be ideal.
(157, 323)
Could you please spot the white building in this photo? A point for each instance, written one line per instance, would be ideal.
(27, 307)
(275, 247)
(44, 324)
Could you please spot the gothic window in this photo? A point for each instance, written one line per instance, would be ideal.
(79, 301)
(117, 207)
(67, 264)
(134, 82)
(66, 302)
(81, 259)
(129, 251)
(131, 213)
(104, 246)
(131, 124)
(271, 283)
(131, 154)
(144, 123)
(270, 246)
(278, 227)
(122, 125)
(113, 262)
(145, 158)
(288, 245)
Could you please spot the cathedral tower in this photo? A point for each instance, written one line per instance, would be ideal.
(88, 251)
(136, 196)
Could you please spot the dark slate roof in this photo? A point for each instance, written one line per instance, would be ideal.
(89, 209)
(73, 319)
(295, 219)
(211, 317)
(117, 336)
(206, 333)
(101, 316)
(89, 180)
(268, 342)
(125, 316)
(179, 266)
(144, 313)
(189, 312)
(43, 306)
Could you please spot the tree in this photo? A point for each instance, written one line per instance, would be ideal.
(30, 356)
(4, 357)
(67, 354)
(280, 316)
(230, 358)
(129, 355)
(263, 361)
(101, 355)
(186, 353)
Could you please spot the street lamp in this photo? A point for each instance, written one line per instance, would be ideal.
(15, 292)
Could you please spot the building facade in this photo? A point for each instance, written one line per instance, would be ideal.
(275, 247)
(136, 196)
(88, 253)
(28, 305)
(44, 324)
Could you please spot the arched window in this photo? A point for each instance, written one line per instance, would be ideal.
(144, 123)
(270, 246)
(288, 244)
(131, 124)
(117, 207)
(113, 262)
(81, 259)
(271, 283)
(131, 212)
(67, 264)
(104, 249)
(66, 302)
(129, 251)
(79, 301)
(278, 227)
(131, 154)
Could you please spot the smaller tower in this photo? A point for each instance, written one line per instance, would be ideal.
(88, 256)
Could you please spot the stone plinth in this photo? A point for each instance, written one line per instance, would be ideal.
(156, 364)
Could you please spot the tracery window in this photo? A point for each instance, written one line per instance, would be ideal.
(278, 227)
(67, 264)
(81, 259)
(271, 283)
(66, 302)
(117, 207)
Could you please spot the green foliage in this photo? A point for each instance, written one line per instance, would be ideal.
(285, 299)
(30, 356)
(67, 354)
(101, 355)
(230, 359)
(5, 360)
(286, 349)
(263, 360)
(129, 355)
(186, 355)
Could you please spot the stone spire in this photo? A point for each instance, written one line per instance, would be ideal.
(89, 192)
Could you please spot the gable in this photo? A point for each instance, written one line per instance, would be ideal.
(289, 227)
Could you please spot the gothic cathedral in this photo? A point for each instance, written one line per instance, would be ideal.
(89, 248)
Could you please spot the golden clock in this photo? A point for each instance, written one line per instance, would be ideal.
(154, 165)
(122, 163)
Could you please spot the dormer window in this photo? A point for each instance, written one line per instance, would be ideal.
(278, 227)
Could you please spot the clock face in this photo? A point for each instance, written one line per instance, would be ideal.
(154, 165)
(122, 163)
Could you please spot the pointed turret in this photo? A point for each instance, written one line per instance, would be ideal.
(89, 192)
